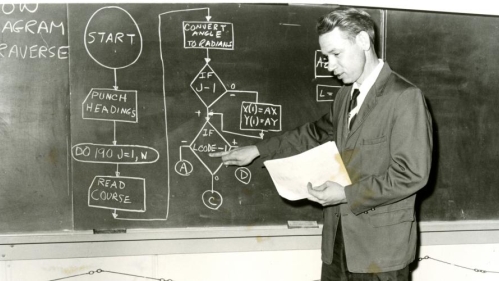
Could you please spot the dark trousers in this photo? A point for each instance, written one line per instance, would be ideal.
(337, 270)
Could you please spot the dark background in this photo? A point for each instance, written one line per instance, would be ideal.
(454, 60)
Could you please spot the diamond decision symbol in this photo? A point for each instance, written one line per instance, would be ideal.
(207, 86)
(209, 140)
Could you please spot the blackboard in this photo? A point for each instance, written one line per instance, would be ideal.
(453, 59)
(35, 194)
(194, 78)
(70, 164)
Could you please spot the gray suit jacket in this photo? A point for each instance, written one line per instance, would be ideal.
(388, 157)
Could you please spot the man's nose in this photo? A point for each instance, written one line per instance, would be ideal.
(331, 66)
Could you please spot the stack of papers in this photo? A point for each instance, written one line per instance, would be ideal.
(317, 165)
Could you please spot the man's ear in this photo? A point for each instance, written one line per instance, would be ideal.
(363, 40)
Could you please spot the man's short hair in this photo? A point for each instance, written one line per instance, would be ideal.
(349, 20)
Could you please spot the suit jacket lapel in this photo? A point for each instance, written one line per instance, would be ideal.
(342, 131)
(371, 98)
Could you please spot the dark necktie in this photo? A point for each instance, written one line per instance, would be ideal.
(353, 104)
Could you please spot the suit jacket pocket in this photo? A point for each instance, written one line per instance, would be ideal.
(374, 156)
(374, 141)
(392, 217)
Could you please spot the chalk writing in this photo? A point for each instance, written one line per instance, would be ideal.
(213, 35)
(113, 38)
(260, 116)
(326, 93)
(33, 27)
(208, 86)
(8, 9)
(117, 193)
(320, 65)
(210, 89)
(18, 27)
(33, 51)
(104, 37)
(110, 105)
(243, 175)
(114, 154)
(209, 140)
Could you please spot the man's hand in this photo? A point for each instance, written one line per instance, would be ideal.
(329, 193)
(240, 156)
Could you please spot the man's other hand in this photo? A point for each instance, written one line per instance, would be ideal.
(329, 193)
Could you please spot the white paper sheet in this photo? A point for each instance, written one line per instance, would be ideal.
(317, 165)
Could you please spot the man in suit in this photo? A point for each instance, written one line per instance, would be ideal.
(382, 127)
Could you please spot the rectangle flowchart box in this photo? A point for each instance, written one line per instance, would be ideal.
(326, 93)
(260, 116)
(111, 105)
(321, 65)
(118, 193)
(208, 35)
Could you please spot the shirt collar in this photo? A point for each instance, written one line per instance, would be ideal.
(369, 82)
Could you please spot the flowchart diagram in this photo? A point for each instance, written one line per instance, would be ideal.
(255, 118)
(114, 48)
(116, 45)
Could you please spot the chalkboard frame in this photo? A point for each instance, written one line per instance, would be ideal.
(85, 244)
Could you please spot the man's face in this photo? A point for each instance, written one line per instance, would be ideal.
(346, 58)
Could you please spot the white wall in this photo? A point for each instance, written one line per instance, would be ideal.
(479, 256)
(275, 265)
(298, 265)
